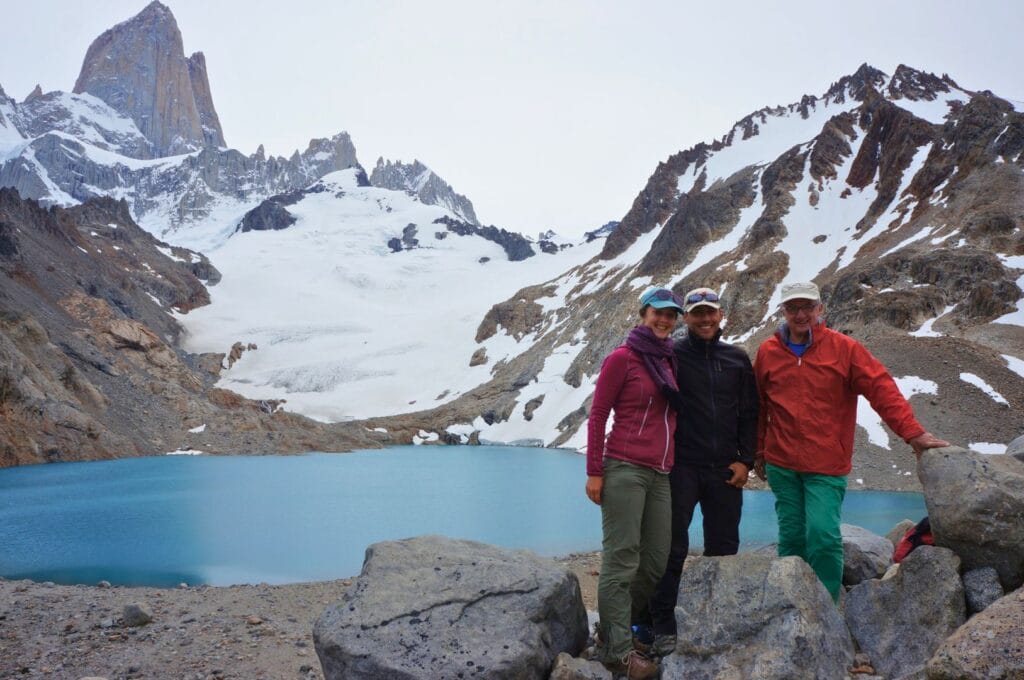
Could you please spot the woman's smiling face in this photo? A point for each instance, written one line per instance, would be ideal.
(661, 321)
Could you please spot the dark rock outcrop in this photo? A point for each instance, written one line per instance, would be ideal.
(432, 607)
(272, 214)
(516, 246)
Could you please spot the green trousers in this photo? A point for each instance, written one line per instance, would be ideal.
(808, 506)
(636, 515)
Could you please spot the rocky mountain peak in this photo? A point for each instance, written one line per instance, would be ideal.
(916, 85)
(139, 68)
(34, 94)
(418, 180)
(324, 155)
(865, 78)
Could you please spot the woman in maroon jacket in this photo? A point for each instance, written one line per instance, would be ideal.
(627, 475)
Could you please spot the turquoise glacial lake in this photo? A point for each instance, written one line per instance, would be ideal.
(282, 519)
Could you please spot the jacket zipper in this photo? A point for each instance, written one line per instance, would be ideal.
(664, 456)
(646, 411)
(714, 407)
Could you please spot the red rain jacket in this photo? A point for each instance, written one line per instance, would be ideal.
(809, 404)
(644, 424)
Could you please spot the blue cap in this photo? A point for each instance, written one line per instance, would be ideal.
(661, 298)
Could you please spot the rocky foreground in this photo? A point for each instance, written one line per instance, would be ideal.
(204, 633)
(431, 607)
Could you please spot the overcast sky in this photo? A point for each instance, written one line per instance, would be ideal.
(548, 114)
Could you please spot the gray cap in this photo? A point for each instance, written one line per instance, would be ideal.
(803, 290)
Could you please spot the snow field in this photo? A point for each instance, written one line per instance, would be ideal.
(345, 327)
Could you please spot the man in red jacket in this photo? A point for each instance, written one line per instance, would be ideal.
(808, 379)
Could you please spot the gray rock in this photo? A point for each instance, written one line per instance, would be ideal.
(1016, 448)
(139, 68)
(103, 584)
(756, 616)
(901, 621)
(989, 646)
(865, 554)
(435, 607)
(900, 530)
(571, 668)
(976, 508)
(137, 614)
(982, 588)
(420, 181)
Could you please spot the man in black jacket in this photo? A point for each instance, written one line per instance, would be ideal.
(716, 436)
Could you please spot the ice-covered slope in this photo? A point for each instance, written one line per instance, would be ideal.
(345, 325)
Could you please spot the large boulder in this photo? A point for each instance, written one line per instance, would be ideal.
(900, 621)
(976, 508)
(434, 607)
(865, 554)
(757, 616)
(989, 646)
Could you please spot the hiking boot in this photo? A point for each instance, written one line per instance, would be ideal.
(663, 645)
(635, 666)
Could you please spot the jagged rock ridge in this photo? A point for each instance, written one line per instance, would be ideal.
(419, 180)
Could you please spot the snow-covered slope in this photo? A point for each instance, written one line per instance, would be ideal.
(346, 327)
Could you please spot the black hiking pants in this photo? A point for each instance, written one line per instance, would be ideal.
(720, 505)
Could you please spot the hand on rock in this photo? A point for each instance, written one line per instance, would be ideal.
(926, 441)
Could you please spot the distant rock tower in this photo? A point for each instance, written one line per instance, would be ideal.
(139, 68)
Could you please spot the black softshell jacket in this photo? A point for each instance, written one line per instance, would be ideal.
(718, 421)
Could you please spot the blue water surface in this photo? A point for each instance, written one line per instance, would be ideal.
(282, 519)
